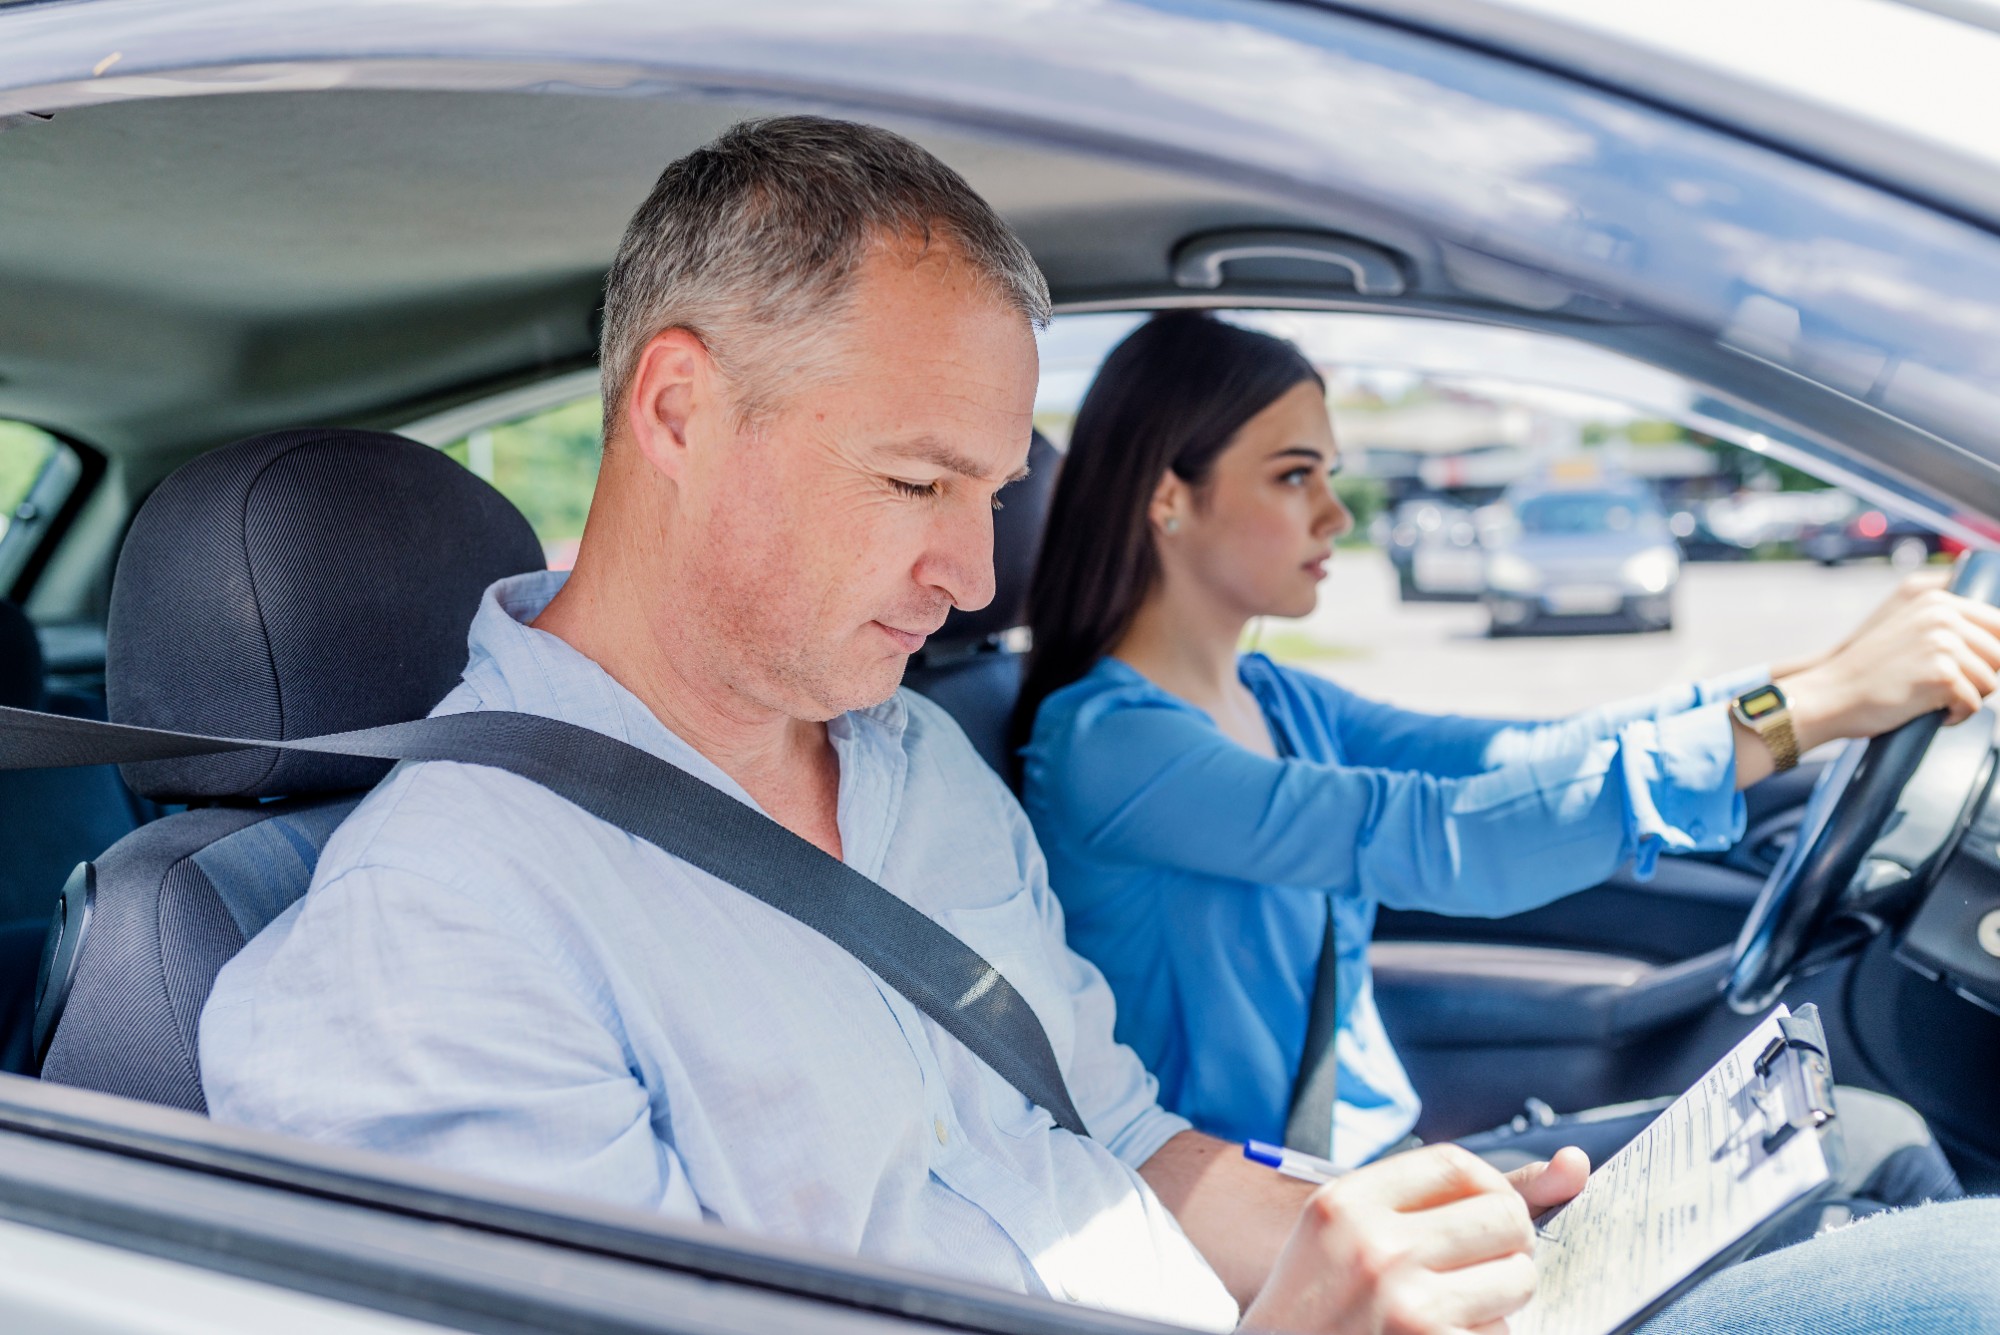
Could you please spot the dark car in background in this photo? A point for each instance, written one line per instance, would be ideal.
(1871, 532)
(1599, 553)
(1699, 540)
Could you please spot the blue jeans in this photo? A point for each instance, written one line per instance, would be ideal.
(1933, 1270)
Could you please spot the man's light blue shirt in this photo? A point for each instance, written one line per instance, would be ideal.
(487, 978)
(1198, 875)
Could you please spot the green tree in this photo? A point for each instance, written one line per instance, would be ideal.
(545, 463)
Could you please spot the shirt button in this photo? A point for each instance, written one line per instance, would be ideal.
(938, 1126)
(1699, 829)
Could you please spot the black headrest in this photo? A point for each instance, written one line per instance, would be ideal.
(1017, 539)
(21, 683)
(299, 583)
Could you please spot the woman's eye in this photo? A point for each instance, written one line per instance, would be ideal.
(917, 489)
(1295, 477)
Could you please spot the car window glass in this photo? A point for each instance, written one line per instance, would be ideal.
(1580, 512)
(25, 452)
(38, 473)
(1542, 526)
(545, 462)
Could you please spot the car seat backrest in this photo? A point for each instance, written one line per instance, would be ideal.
(290, 585)
(165, 909)
(967, 667)
(49, 819)
(295, 584)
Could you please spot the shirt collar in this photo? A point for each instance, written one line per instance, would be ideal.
(514, 666)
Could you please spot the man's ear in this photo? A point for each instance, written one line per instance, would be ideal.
(673, 382)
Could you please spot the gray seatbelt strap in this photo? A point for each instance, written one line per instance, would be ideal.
(1309, 1124)
(1309, 1121)
(666, 806)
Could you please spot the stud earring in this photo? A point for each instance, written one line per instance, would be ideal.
(1173, 524)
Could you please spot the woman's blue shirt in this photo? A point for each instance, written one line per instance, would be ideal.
(1198, 875)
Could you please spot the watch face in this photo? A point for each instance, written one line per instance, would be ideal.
(1758, 703)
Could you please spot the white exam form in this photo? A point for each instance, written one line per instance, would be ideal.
(1691, 1187)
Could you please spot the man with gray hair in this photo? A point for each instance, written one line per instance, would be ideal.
(820, 368)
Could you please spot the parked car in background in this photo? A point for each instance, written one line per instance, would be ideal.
(1572, 554)
(1699, 541)
(1871, 532)
(1753, 519)
(1433, 543)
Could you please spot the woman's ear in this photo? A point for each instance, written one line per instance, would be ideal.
(1173, 501)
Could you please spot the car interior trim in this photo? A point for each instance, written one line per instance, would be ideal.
(1298, 164)
(1890, 158)
(129, 1138)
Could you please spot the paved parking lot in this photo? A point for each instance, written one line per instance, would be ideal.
(1436, 655)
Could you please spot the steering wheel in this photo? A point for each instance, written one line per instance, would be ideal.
(1884, 816)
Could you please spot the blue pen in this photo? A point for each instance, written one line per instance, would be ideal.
(1292, 1163)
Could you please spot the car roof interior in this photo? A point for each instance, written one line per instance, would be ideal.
(185, 271)
(195, 269)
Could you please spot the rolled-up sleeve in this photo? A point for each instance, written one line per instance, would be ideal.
(1681, 785)
(1151, 781)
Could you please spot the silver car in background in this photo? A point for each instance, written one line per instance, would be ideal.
(1433, 543)
(1597, 555)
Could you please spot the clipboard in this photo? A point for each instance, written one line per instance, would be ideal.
(1753, 1141)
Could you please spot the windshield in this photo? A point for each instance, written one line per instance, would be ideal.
(1584, 512)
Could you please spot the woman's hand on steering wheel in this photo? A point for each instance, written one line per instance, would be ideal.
(1907, 590)
(1927, 657)
(1924, 649)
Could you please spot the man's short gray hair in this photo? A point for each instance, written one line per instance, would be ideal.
(751, 244)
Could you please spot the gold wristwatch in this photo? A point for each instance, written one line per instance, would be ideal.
(1766, 712)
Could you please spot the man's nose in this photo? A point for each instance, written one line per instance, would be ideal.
(958, 560)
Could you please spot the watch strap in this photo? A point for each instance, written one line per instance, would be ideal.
(1766, 712)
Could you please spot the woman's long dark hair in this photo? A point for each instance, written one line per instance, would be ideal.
(1170, 396)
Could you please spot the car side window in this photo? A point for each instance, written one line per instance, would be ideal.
(25, 452)
(38, 473)
(545, 462)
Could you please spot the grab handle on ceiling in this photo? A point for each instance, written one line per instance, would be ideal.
(1374, 271)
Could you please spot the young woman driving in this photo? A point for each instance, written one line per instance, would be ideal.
(1213, 819)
